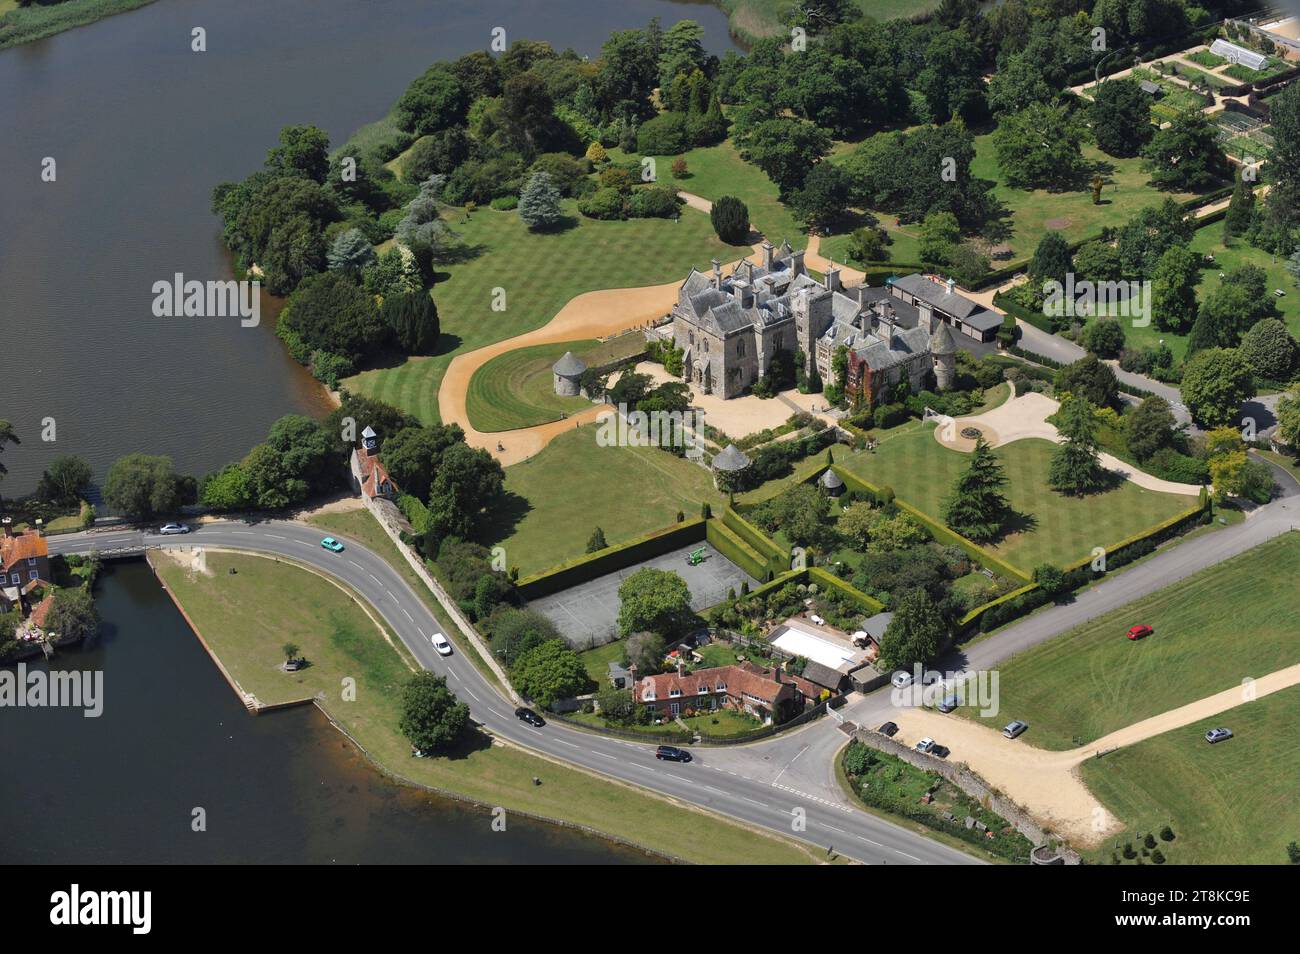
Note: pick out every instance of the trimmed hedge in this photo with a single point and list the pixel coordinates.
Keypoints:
(618, 557)
(941, 533)
(776, 558)
(1016, 310)
(731, 546)
(829, 581)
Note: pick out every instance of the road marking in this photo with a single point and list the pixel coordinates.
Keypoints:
(833, 828)
(569, 744)
(355, 563)
(471, 692)
(814, 798)
(373, 577)
(754, 801)
(275, 536)
(408, 615)
(240, 533)
(678, 777)
(788, 764)
(906, 855)
(603, 755)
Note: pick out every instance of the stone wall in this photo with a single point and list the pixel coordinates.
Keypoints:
(970, 783)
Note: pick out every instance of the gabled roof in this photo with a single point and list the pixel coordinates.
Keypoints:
(823, 676)
(41, 610)
(883, 353)
(24, 545)
(936, 293)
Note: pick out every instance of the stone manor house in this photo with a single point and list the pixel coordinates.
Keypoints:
(731, 328)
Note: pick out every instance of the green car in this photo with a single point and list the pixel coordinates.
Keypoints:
(329, 543)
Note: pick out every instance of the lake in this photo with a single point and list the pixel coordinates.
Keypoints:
(141, 129)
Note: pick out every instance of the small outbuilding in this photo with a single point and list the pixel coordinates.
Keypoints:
(568, 373)
(732, 460)
(831, 483)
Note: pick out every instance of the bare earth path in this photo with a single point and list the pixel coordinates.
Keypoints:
(1048, 784)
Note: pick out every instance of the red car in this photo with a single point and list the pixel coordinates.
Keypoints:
(1137, 632)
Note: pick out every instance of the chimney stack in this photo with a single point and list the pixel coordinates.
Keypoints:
(833, 277)
(9, 526)
(717, 274)
(681, 666)
(797, 259)
(40, 523)
(767, 255)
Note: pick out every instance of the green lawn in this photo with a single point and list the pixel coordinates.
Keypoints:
(246, 617)
(715, 171)
(517, 389)
(1212, 630)
(922, 472)
(597, 661)
(1126, 190)
(1232, 803)
(539, 273)
(1209, 240)
(556, 499)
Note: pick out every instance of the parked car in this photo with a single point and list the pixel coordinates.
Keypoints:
(1015, 728)
(901, 679)
(1137, 632)
(672, 754)
(524, 714)
(948, 702)
(329, 543)
(939, 751)
(925, 745)
(1218, 735)
(440, 643)
(169, 528)
(889, 729)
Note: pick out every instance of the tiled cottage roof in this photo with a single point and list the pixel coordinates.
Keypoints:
(739, 681)
(22, 546)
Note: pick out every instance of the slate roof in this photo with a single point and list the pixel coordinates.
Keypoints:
(937, 294)
(879, 354)
(733, 458)
(569, 366)
(823, 676)
(831, 480)
(942, 342)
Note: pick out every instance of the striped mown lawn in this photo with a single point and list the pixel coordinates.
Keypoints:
(1229, 804)
(1057, 529)
(1212, 630)
(555, 500)
(538, 274)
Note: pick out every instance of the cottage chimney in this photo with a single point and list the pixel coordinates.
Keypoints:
(717, 274)
(40, 524)
(776, 670)
(681, 667)
(768, 248)
(631, 678)
(9, 526)
(951, 285)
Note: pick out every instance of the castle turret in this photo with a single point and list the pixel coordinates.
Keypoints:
(943, 349)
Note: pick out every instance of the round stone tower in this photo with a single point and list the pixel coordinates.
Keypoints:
(943, 348)
(568, 375)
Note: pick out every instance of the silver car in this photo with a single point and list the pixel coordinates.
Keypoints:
(1218, 735)
(1015, 728)
(169, 528)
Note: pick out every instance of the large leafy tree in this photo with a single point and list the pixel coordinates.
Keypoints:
(64, 480)
(1018, 84)
(1186, 156)
(1052, 260)
(1040, 147)
(549, 672)
(413, 455)
(1076, 469)
(1288, 418)
(1270, 350)
(73, 613)
(915, 633)
(1120, 115)
(1149, 234)
(786, 149)
(1173, 289)
(1215, 383)
(653, 600)
(977, 508)
(952, 80)
(1091, 379)
(434, 101)
(1149, 427)
(468, 480)
(824, 195)
(303, 151)
(142, 486)
(331, 313)
(432, 717)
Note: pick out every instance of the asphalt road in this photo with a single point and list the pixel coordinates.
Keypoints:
(753, 796)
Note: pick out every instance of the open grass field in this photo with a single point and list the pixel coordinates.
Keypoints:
(1209, 240)
(1058, 529)
(517, 389)
(1212, 630)
(556, 499)
(715, 171)
(539, 273)
(245, 618)
(1230, 803)
(1126, 191)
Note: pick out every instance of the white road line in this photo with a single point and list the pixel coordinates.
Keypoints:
(355, 563)
(603, 755)
(471, 692)
(906, 855)
(569, 744)
(754, 801)
(373, 577)
(408, 615)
